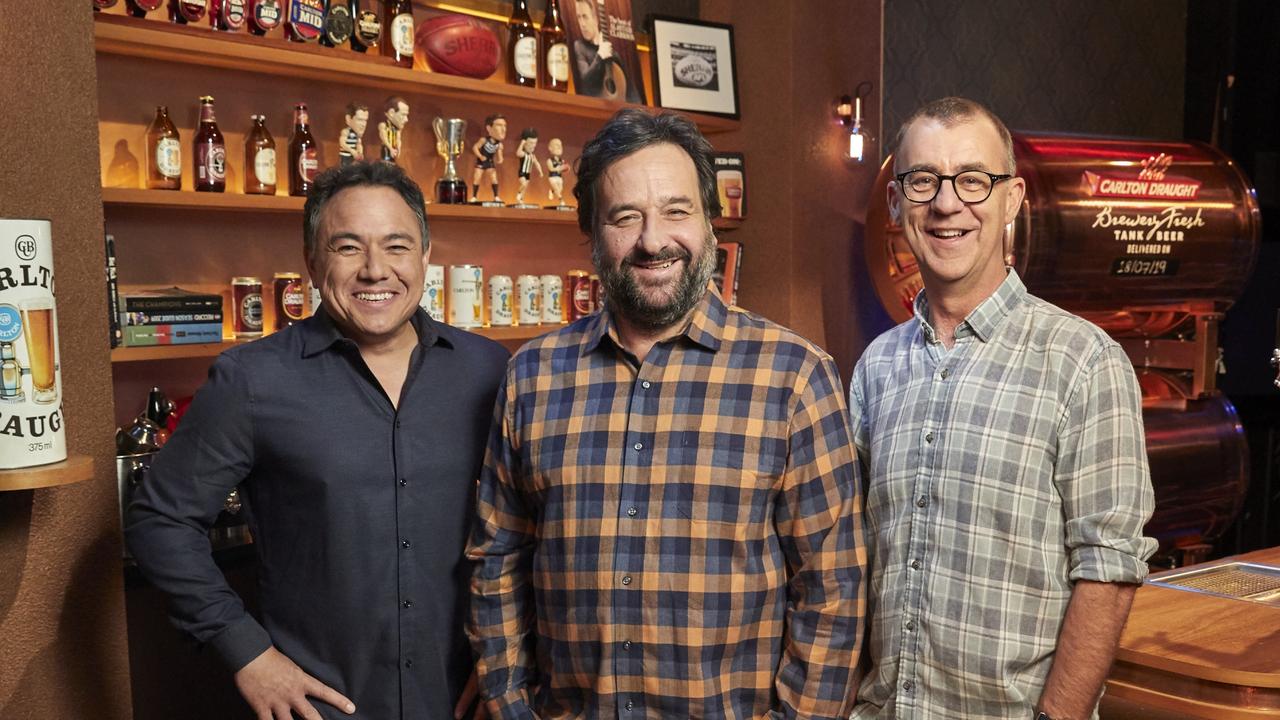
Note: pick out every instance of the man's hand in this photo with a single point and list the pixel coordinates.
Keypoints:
(605, 50)
(469, 696)
(275, 687)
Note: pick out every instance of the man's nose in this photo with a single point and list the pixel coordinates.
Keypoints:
(947, 201)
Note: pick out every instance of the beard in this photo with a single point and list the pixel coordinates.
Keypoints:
(625, 296)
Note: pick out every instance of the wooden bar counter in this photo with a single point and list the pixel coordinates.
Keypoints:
(1186, 654)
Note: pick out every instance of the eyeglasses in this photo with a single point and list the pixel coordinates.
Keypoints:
(971, 186)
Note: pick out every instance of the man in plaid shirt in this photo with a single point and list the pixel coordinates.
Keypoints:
(670, 511)
(1007, 470)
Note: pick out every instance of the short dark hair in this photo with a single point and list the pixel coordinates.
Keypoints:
(375, 173)
(951, 111)
(528, 133)
(355, 107)
(493, 119)
(631, 130)
(394, 102)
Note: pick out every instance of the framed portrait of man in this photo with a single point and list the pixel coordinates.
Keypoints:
(603, 50)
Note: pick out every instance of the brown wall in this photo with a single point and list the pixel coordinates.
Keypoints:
(62, 624)
(806, 203)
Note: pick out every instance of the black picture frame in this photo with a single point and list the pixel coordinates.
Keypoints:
(694, 66)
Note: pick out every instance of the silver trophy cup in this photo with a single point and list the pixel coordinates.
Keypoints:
(451, 136)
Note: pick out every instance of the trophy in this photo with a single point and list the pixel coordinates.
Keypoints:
(451, 137)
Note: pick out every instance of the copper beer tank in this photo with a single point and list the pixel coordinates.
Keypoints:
(1148, 239)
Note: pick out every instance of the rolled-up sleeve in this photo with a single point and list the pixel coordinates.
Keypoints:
(1102, 473)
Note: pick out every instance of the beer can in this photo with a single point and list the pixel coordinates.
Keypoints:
(500, 290)
(313, 294)
(246, 307)
(466, 296)
(529, 296)
(433, 292)
(578, 291)
(286, 289)
(30, 368)
(552, 298)
(597, 294)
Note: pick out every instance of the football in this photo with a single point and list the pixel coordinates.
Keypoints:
(459, 45)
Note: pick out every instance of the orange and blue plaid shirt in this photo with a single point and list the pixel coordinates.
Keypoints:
(674, 538)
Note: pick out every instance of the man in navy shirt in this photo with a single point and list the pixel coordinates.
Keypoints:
(357, 436)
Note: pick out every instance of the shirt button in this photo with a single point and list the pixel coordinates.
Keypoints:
(638, 446)
(630, 705)
(928, 437)
(631, 511)
(915, 564)
(404, 481)
(907, 685)
(626, 644)
(397, 424)
(626, 579)
(911, 625)
(404, 543)
(408, 663)
(945, 373)
(922, 501)
(407, 604)
(645, 384)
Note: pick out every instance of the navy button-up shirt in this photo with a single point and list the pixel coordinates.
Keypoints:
(359, 510)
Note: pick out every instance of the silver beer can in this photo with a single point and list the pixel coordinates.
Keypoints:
(552, 298)
(433, 292)
(500, 290)
(466, 296)
(529, 295)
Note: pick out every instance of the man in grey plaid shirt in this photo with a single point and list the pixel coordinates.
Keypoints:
(1002, 441)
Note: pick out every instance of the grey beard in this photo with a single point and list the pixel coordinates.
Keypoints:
(625, 298)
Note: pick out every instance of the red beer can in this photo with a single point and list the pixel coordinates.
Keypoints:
(287, 291)
(577, 287)
(597, 294)
(246, 306)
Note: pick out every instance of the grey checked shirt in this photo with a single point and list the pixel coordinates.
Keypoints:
(999, 472)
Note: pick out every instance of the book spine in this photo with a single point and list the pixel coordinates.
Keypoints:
(171, 304)
(131, 319)
(173, 334)
(113, 294)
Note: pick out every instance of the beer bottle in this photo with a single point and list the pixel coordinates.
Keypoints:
(185, 11)
(210, 151)
(264, 16)
(522, 47)
(164, 153)
(259, 159)
(368, 25)
(555, 49)
(140, 8)
(303, 161)
(338, 24)
(397, 43)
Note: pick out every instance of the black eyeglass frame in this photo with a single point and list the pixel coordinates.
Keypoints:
(941, 178)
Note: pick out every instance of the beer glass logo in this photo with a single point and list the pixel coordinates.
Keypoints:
(37, 326)
(10, 370)
(25, 246)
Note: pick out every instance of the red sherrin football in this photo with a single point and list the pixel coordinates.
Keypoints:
(459, 45)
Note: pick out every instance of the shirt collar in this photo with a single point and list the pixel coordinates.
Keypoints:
(984, 319)
(705, 326)
(319, 332)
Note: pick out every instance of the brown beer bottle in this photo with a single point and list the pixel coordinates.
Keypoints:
(303, 161)
(397, 39)
(210, 151)
(259, 159)
(164, 153)
(368, 25)
(522, 47)
(555, 50)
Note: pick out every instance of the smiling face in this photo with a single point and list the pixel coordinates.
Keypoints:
(653, 246)
(959, 247)
(369, 265)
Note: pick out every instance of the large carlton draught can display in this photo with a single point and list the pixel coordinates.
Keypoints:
(31, 428)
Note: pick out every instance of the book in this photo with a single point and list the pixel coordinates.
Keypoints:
(165, 317)
(174, 299)
(191, 333)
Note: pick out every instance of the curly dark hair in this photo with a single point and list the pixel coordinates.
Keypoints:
(375, 173)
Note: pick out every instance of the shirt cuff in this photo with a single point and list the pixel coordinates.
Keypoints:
(1105, 564)
(514, 705)
(241, 642)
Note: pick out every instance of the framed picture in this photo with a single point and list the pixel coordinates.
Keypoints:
(693, 66)
(728, 262)
(602, 50)
(731, 184)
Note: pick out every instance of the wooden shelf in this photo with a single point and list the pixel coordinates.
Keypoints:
(191, 200)
(199, 350)
(133, 37)
(72, 470)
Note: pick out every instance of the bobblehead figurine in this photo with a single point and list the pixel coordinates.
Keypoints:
(528, 163)
(488, 152)
(351, 138)
(396, 111)
(556, 168)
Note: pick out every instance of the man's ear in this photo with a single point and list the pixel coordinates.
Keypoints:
(895, 202)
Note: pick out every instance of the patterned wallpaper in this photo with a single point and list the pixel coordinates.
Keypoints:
(1112, 67)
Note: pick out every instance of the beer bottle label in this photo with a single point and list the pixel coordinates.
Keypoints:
(306, 18)
(169, 157)
(292, 300)
(234, 13)
(307, 164)
(218, 162)
(558, 62)
(266, 14)
(368, 28)
(402, 34)
(526, 57)
(264, 166)
(251, 311)
(338, 24)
